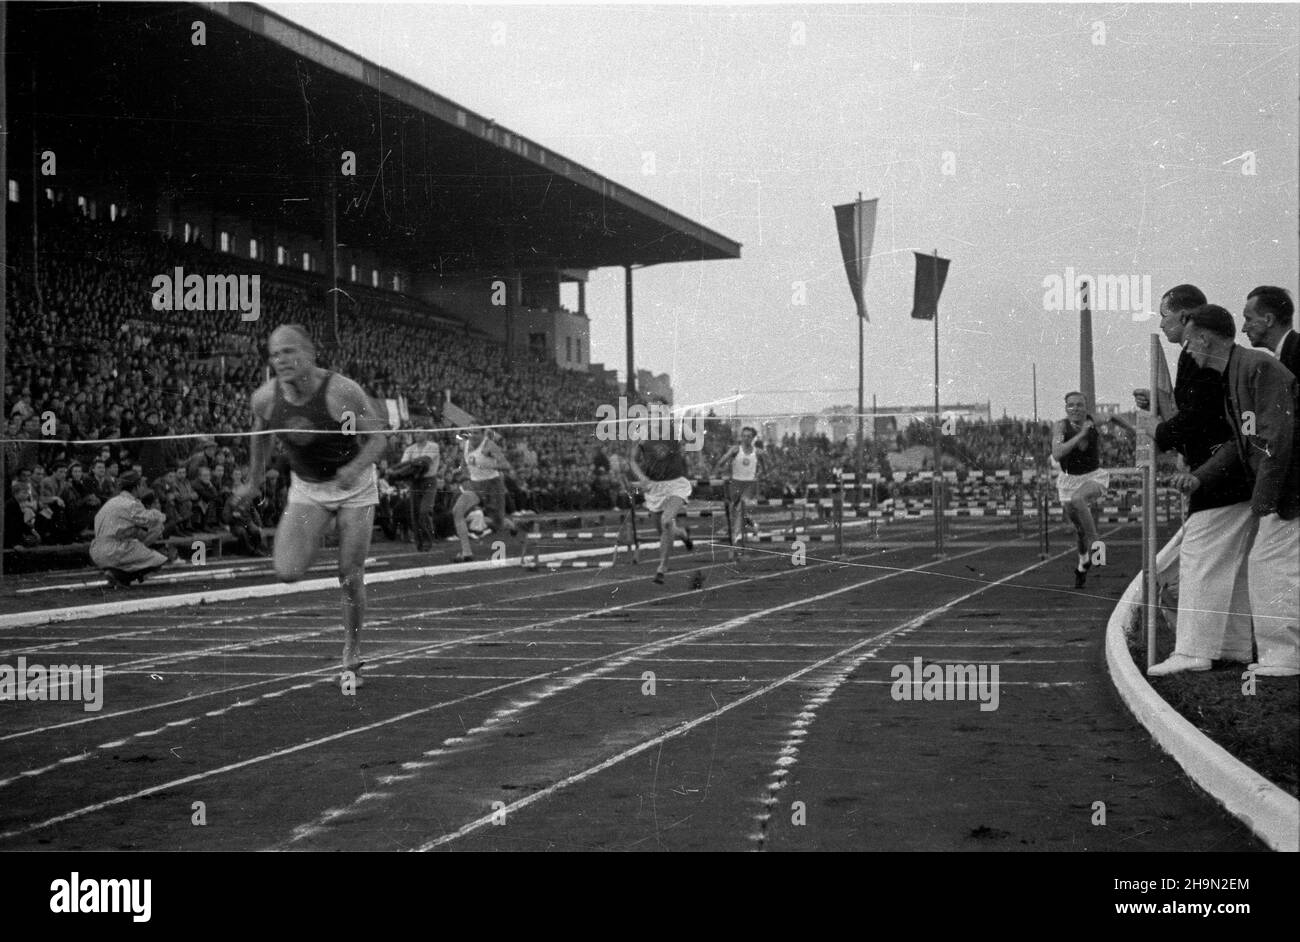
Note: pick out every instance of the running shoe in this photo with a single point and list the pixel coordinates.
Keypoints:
(1080, 578)
(686, 539)
(659, 578)
(459, 558)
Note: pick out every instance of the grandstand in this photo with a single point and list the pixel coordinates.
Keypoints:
(452, 238)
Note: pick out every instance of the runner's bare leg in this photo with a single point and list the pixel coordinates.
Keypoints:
(298, 536)
(668, 529)
(1081, 503)
(466, 502)
(355, 527)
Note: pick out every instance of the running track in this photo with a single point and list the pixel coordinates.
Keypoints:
(519, 697)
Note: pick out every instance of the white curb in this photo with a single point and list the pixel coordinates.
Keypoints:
(1272, 814)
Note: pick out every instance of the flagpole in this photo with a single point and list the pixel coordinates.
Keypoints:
(862, 293)
(938, 461)
(874, 426)
(1149, 544)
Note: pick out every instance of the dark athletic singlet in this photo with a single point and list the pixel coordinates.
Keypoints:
(1081, 462)
(313, 457)
(662, 461)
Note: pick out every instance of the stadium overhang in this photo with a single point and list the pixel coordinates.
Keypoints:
(256, 118)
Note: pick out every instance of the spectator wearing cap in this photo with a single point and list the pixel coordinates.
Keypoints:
(124, 528)
(1260, 405)
(1213, 605)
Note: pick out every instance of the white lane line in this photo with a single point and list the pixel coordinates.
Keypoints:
(640, 654)
(789, 752)
(329, 677)
(692, 724)
(322, 674)
(894, 571)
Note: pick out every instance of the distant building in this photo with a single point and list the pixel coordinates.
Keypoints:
(659, 385)
(603, 375)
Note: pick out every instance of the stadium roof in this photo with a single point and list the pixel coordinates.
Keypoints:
(254, 122)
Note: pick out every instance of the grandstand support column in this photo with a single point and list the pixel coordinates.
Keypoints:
(627, 308)
(37, 189)
(334, 265)
(512, 311)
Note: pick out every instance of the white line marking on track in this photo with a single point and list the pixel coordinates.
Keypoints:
(817, 700)
(789, 751)
(894, 571)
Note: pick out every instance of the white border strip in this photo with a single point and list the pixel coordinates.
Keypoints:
(46, 616)
(1272, 814)
(127, 606)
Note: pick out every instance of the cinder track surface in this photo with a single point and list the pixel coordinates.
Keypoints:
(525, 698)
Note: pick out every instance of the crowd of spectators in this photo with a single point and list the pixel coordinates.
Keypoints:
(91, 360)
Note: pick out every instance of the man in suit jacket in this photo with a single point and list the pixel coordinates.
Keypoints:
(1260, 405)
(1267, 322)
(1213, 600)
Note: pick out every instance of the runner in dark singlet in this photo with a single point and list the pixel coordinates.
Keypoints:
(1076, 445)
(328, 426)
(660, 467)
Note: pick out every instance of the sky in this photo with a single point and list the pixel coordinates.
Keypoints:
(1145, 141)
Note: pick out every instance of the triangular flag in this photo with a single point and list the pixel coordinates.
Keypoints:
(856, 223)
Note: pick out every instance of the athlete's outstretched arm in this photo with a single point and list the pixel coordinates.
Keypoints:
(636, 468)
(1116, 420)
(259, 448)
(1061, 446)
(729, 456)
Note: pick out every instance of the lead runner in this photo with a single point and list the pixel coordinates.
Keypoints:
(332, 462)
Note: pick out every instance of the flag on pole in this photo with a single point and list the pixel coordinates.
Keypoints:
(929, 285)
(1162, 397)
(1162, 401)
(856, 223)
